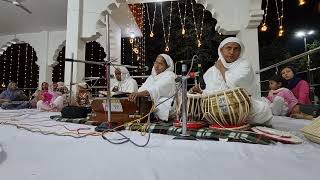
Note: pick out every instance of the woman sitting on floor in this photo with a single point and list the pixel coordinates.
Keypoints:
(283, 102)
(12, 94)
(300, 88)
(160, 86)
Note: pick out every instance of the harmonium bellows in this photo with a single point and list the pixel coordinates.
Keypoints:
(122, 110)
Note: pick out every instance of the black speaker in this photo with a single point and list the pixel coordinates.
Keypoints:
(75, 112)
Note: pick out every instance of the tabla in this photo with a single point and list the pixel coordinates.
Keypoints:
(227, 109)
(122, 110)
(194, 119)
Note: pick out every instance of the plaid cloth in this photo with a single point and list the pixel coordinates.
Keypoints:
(76, 120)
(205, 133)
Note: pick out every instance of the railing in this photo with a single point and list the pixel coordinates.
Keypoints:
(309, 72)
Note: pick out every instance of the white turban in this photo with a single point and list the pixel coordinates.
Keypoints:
(223, 43)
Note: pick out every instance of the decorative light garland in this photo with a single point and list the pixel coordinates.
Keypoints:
(4, 69)
(264, 26)
(151, 26)
(183, 21)
(302, 2)
(199, 36)
(10, 65)
(18, 63)
(25, 71)
(281, 31)
(166, 37)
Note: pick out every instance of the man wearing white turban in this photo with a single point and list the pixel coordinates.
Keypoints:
(124, 82)
(160, 86)
(231, 71)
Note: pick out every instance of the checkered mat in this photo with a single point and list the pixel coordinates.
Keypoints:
(205, 133)
(169, 129)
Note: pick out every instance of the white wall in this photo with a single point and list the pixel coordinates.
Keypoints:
(46, 45)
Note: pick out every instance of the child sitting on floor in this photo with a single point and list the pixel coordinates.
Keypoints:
(47, 102)
(283, 102)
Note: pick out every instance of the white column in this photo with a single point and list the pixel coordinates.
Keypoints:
(75, 47)
(45, 72)
(249, 37)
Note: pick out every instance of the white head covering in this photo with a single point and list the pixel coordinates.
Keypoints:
(83, 85)
(169, 62)
(223, 43)
(125, 75)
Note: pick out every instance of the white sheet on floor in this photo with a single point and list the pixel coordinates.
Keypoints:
(33, 156)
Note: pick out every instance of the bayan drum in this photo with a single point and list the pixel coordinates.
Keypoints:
(194, 119)
(227, 109)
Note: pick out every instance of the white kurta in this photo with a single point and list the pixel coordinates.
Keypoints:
(161, 87)
(238, 74)
(127, 83)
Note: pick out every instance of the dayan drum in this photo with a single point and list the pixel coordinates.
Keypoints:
(122, 110)
(194, 119)
(227, 109)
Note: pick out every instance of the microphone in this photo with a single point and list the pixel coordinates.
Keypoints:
(195, 58)
(190, 75)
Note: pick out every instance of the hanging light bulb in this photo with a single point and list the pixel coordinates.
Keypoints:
(264, 27)
(136, 50)
(131, 40)
(281, 31)
(151, 34)
(3, 85)
(199, 43)
(302, 2)
(183, 32)
(167, 48)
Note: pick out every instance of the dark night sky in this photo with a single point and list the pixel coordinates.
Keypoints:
(295, 18)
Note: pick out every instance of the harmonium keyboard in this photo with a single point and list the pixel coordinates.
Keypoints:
(122, 110)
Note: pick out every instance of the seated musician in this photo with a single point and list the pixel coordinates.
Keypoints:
(160, 86)
(38, 94)
(83, 95)
(12, 94)
(231, 70)
(124, 82)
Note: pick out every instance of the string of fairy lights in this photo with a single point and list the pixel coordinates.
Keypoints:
(279, 6)
(183, 20)
(18, 64)
(165, 35)
(138, 43)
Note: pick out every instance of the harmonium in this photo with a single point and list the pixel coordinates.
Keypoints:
(122, 110)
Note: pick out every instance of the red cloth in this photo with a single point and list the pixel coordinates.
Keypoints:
(47, 97)
(302, 92)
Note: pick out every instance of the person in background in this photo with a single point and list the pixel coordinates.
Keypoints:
(282, 101)
(83, 95)
(12, 97)
(124, 82)
(300, 88)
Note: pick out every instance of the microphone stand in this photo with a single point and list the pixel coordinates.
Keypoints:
(107, 75)
(71, 79)
(184, 111)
